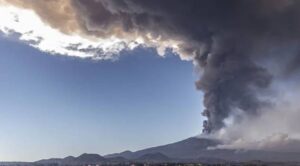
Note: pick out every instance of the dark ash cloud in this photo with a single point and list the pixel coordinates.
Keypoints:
(226, 38)
(229, 40)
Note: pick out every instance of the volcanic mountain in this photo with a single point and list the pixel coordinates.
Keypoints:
(196, 149)
(189, 150)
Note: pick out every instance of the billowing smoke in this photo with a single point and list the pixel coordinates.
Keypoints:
(231, 42)
(226, 39)
(275, 129)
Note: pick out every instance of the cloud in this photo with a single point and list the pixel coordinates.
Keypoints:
(30, 28)
(241, 47)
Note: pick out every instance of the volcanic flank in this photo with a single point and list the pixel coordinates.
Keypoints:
(191, 150)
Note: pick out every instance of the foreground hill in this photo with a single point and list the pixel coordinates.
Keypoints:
(82, 160)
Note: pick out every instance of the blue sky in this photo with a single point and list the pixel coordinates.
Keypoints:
(55, 106)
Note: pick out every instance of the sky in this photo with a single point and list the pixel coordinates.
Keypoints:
(55, 106)
(103, 76)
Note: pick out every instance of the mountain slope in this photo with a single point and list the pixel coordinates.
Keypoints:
(195, 149)
(153, 157)
(188, 148)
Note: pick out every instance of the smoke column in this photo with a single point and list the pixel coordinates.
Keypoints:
(228, 40)
(223, 37)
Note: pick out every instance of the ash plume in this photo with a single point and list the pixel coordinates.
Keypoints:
(223, 37)
(230, 41)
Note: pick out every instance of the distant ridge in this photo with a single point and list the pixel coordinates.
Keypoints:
(185, 151)
(82, 159)
(127, 154)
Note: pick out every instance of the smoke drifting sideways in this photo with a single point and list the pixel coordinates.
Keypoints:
(275, 129)
(241, 47)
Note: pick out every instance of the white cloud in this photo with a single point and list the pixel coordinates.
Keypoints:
(31, 29)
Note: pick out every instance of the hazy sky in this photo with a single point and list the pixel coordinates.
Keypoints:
(103, 76)
(55, 106)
